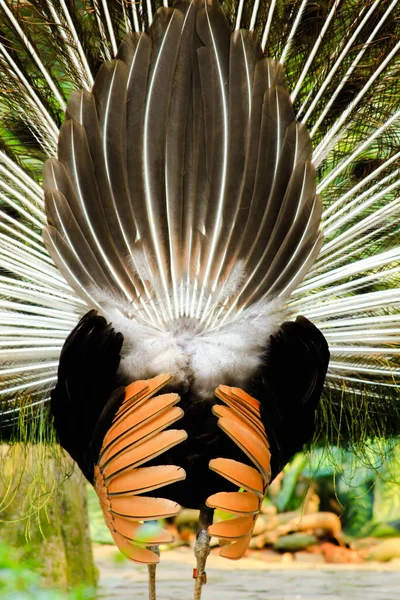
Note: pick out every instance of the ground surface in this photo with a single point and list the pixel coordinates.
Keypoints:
(248, 579)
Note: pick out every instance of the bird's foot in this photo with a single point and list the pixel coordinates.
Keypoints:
(152, 573)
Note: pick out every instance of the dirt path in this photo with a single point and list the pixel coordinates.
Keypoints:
(248, 579)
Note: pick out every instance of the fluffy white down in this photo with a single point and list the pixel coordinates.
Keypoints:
(194, 357)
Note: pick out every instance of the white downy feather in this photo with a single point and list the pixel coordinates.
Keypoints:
(197, 357)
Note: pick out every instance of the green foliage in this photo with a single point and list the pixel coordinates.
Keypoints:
(99, 531)
(295, 542)
(46, 527)
(286, 498)
(347, 419)
(363, 489)
(19, 581)
(357, 503)
(387, 492)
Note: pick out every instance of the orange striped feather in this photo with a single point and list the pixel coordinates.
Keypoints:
(142, 533)
(250, 444)
(140, 391)
(145, 479)
(244, 411)
(232, 528)
(144, 452)
(143, 508)
(133, 552)
(138, 415)
(240, 474)
(237, 503)
(237, 549)
(136, 436)
(240, 419)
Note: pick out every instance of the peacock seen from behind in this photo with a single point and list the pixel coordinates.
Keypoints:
(220, 203)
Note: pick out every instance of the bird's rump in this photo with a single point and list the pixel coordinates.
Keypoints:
(126, 442)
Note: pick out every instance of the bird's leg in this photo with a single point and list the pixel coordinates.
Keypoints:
(202, 549)
(152, 574)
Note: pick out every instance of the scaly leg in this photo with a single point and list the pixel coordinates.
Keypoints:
(202, 550)
(152, 574)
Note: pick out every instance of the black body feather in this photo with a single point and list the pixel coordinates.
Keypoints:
(86, 397)
(288, 385)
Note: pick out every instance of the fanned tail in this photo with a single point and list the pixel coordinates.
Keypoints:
(214, 220)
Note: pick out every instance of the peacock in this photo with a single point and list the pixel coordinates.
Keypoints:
(199, 246)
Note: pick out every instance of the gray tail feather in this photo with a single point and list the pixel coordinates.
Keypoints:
(185, 161)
